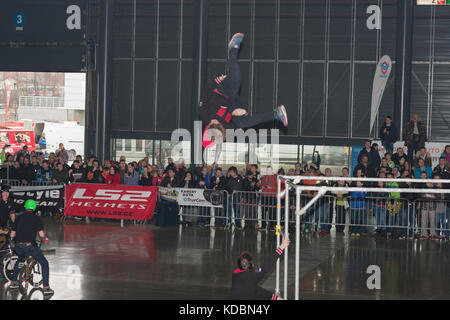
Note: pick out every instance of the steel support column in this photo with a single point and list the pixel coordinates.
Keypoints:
(405, 20)
(104, 100)
(199, 65)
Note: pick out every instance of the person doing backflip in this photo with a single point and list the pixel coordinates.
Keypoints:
(246, 279)
(220, 106)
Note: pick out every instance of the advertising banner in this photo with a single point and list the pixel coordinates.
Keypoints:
(113, 202)
(200, 198)
(381, 77)
(48, 198)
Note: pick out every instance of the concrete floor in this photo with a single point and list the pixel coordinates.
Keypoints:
(101, 260)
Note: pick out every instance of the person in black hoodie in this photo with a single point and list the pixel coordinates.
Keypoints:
(234, 184)
(388, 134)
(220, 103)
(77, 174)
(26, 172)
(145, 179)
(245, 279)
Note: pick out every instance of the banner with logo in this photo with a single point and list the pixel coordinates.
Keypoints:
(48, 198)
(200, 198)
(435, 149)
(113, 202)
(382, 73)
(170, 194)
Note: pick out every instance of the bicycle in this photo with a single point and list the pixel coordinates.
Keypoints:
(31, 271)
(9, 260)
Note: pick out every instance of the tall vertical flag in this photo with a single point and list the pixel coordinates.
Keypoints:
(382, 73)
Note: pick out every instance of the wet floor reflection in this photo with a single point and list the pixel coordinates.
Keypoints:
(410, 269)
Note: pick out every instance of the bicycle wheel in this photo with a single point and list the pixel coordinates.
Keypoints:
(31, 274)
(8, 267)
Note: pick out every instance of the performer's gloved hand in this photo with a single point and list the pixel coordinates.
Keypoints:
(45, 240)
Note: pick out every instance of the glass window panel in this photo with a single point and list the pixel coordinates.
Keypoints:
(145, 29)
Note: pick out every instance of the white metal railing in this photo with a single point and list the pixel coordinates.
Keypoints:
(292, 182)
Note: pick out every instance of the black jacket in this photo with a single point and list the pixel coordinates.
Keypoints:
(174, 184)
(77, 175)
(143, 181)
(244, 283)
(368, 171)
(27, 173)
(216, 105)
(372, 155)
(391, 134)
(396, 158)
(221, 185)
(234, 184)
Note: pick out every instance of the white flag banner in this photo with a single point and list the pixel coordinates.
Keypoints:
(382, 73)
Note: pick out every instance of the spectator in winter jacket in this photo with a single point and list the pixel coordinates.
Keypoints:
(357, 210)
(388, 134)
(398, 155)
(376, 156)
(131, 177)
(26, 172)
(77, 173)
(60, 175)
(365, 167)
(113, 178)
(189, 181)
(442, 169)
(218, 180)
(35, 164)
(372, 154)
(44, 174)
(96, 173)
(234, 184)
(145, 178)
(122, 170)
(422, 154)
(171, 180)
(446, 154)
(158, 176)
(341, 206)
(423, 168)
(415, 136)
(61, 152)
(428, 206)
(22, 153)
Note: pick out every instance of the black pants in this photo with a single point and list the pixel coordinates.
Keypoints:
(340, 218)
(232, 86)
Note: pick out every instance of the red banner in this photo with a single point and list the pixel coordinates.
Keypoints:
(113, 202)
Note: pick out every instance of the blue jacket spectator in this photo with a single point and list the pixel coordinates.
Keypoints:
(358, 200)
(131, 177)
(423, 168)
(44, 174)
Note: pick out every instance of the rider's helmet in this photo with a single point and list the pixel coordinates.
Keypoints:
(30, 205)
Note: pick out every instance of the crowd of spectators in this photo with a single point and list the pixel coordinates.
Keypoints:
(27, 167)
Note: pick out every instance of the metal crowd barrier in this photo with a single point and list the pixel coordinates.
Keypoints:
(11, 182)
(368, 207)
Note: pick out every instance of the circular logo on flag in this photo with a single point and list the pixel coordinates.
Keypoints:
(384, 67)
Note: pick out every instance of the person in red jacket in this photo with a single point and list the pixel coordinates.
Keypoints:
(112, 177)
(158, 176)
(268, 187)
